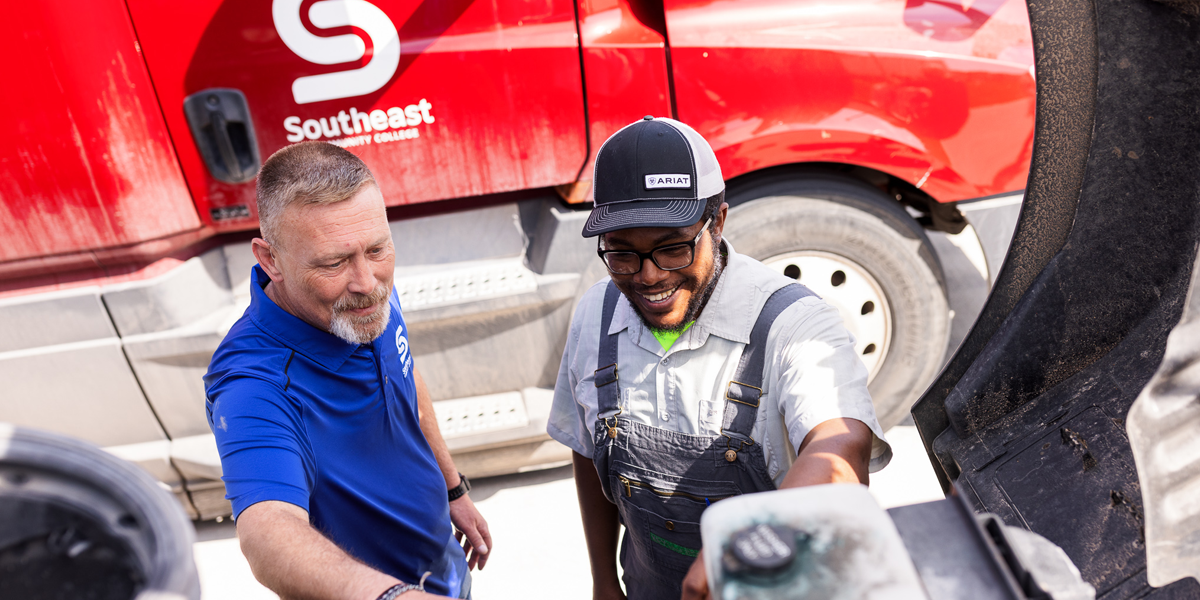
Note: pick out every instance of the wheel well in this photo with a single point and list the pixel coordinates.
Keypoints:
(932, 215)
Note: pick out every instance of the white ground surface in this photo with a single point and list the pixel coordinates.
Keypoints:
(536, 531)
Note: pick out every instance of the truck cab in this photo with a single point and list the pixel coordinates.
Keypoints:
(846, 131)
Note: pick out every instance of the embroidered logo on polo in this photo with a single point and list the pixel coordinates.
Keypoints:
(402, 349)
(668, 180)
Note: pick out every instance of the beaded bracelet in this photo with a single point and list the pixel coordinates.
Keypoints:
(394, 591)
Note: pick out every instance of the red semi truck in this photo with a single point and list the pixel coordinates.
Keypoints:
(845, 129)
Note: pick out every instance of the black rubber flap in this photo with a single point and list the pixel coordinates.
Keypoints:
(1029, 416)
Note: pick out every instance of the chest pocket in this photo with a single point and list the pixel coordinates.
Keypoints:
(662, 513)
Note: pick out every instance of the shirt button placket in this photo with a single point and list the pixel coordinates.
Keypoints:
(663, 375)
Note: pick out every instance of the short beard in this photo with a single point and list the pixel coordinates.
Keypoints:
(361, 330)
(700, 300)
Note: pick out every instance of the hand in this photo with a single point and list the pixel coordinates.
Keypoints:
(695, 583)
(471, 530)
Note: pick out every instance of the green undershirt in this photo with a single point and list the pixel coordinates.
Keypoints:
(666, 339)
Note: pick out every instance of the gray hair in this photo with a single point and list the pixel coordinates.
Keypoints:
(306, 173)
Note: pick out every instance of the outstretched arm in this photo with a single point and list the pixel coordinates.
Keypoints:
(295, 561)
(836, 451)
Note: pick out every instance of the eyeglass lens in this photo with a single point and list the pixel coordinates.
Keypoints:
(667, 258)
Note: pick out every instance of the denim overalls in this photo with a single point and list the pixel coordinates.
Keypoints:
(662, 480)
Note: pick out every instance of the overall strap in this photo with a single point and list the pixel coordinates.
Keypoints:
(742, 396)
(607, 390)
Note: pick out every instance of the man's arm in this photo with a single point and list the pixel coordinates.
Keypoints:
(295, 561)
(463, 514)
(600, 529)
(835, 451)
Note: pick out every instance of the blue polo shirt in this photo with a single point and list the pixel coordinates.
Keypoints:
(303, 417)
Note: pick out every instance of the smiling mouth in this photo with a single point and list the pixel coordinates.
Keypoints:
(660, 297)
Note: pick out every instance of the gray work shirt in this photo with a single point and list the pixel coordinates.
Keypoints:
(812, 373)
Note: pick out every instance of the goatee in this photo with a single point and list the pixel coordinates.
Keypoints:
(698, 301)
(361, 330)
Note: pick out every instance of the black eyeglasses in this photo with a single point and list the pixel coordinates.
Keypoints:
(671, 257)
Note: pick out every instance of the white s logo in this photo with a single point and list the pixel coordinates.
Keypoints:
(402, 348)
(339, 48)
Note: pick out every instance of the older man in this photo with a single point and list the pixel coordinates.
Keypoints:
(341, 484)
(695, 373)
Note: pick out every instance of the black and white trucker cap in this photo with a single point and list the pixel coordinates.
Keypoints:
(652, 173)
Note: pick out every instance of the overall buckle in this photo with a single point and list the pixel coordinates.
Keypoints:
(743, 393)
(605, 375)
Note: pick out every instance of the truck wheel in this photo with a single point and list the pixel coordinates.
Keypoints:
(862, 253)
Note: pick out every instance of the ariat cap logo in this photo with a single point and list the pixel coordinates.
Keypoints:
(654, 182)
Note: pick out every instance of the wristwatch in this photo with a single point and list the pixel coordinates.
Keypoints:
(461, 489)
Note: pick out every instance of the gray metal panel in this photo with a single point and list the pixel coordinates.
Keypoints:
(239, 259)
(558, 245)
(170, 326)
(994, 220)
(154, 457)
(493, 232)
(53, 318)
(536, 403)
(170, 366)
(516, 343)
(951, 554)
(185, 294)
(548, 289)
(209, 498)
(531, 456)
(85, 390)
(197, 457)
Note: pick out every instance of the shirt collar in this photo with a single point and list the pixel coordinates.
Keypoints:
(730, 312)
(322, 347)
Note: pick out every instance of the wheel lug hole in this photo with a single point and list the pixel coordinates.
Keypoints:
(870, 349)
(792, 271)
(868, 307)
(838, 278)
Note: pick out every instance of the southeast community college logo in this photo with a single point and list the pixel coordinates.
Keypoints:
(348, 127)
(338, 49)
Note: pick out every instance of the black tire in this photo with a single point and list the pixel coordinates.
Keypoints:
(864, 227)
(78, 522)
